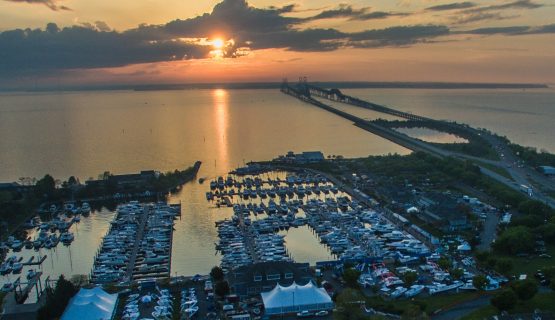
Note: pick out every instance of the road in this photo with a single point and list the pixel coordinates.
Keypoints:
(463, 309)
(488, 232)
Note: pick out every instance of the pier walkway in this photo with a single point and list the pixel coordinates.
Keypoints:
(138, 240)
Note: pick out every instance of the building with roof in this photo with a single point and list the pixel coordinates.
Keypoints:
(259, 277)
(13, 187)
(547, 170)
(445, 210)
(302, 158)
(91, 304)
(295, 298)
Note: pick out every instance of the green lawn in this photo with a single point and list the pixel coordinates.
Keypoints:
(482, 313)
(543, 301)
(432, 303)
(500, 171)
(529, 266)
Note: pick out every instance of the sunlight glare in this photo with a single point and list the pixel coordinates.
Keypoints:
(218, 43)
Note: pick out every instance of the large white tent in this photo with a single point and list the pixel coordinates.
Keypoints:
(91, 304)
(296, 298)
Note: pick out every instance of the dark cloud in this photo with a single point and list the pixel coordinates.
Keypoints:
(343, 11)
(469, 12)
(96, 45)
(481, 16)
(52, 4)
(348, 12)
(513, 30)
(285, 9)
(79, 47)
(519, 4)
(397, 36)
(380, 15)
(452, 6)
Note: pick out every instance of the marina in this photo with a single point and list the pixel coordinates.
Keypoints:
(381, 245)
(138, 244)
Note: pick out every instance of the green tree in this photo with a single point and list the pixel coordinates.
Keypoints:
(350, 276)
(45, 186)
(547, 231)
(504, 300)
(482, 256)
(504, 265)
(444, 263)
(525, 289)
(57, 300)
(480, 282)
(410, 278)
(534, 207)
(414, 312)
(348, 305)
(515, 240)
(5, 196)
(457, 273)
(72, 181)
(491, 262)
(222, 288)
(217, 274)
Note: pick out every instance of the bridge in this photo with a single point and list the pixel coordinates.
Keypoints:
(304, 91)
(337, 95)
(386, 133)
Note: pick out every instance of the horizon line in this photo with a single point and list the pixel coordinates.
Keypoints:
(274, 85)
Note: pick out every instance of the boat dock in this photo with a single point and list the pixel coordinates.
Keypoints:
(138, 244)
(142, 223)
(33, 262)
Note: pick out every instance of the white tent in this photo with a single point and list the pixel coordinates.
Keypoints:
(91, 304)
(296, 298)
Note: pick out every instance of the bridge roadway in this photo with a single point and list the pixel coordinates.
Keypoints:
(336, 95)
(389, 134)
(415, 144)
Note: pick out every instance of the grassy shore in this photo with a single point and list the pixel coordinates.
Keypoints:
(542, 301)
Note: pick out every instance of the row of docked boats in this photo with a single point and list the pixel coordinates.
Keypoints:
(138, 243)
(49, 235)
(233, 245)
(257, 182)
(358, 235)
(154, 254)
(112, 259)
(70, 207)
(281, 191)
(11, 265)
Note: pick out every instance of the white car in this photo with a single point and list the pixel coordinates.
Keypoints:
(304, 314)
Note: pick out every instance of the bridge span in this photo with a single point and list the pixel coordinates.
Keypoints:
(336, 95)
(303, 92)
(386, 133)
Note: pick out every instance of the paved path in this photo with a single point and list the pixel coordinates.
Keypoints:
(463, 309)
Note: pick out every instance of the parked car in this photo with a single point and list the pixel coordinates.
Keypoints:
(304, 314)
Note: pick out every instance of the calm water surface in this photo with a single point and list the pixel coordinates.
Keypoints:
(87, 133)
(430, 135)
(524, 116)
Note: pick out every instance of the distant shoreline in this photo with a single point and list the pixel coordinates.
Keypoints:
(276, 85)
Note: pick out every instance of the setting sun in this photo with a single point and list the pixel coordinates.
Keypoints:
(218, 43)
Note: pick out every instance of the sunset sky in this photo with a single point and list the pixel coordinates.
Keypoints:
(82, 42)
